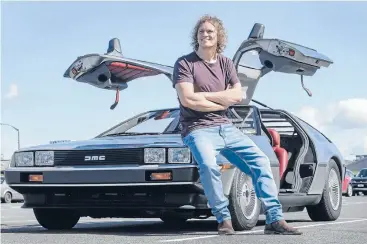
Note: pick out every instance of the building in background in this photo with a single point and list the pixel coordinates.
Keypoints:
(360, 157)
(59, 141)
(4, 165)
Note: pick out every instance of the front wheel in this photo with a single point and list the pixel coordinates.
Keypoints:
(349, 191)
(329, 208)
(56, 219)
(243, 202)
(7, 197)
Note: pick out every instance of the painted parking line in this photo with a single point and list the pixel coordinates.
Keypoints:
(354, 203)
(17, 221)
(11, 206)
(351, 218)
(259, 231)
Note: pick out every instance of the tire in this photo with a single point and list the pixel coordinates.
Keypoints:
(56, 219)
(244, 204)
(329, 208)
(8, 197)
(349, 191)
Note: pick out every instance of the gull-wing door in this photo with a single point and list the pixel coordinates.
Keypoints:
(113, 71)
(258, 56)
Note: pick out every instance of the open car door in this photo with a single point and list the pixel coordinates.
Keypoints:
(258, 56)
(113, 71)
(254, 58)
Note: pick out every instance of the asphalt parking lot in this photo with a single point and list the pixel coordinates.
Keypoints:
(19, 226)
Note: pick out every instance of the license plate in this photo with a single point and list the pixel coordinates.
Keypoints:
(360, 185)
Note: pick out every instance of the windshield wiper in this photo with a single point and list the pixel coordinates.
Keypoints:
(133, 133)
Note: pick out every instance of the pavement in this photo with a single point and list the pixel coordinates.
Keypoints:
(20, 226)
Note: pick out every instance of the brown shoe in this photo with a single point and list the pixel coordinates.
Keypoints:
(225, 228)
(280, 228)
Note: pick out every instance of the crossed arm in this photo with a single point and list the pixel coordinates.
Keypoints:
(208, 101)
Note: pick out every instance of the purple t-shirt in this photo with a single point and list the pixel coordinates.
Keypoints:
(206, 77)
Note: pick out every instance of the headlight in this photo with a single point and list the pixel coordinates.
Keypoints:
(179, 155)
(24, 159)
(154, 155)
(44, 158)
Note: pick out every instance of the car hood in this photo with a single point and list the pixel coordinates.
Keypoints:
(114, 142)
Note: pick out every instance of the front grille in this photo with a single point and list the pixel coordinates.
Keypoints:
(361, 181)
(111, 156)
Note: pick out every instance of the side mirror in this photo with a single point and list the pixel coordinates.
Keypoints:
(257, 32)
(114, 47)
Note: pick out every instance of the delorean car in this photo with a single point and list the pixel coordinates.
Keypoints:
(140, 168)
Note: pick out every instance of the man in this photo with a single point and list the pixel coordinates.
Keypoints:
(207, 84)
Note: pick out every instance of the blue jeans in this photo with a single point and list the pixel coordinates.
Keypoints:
(206, 143)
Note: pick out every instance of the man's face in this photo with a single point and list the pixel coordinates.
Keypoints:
(207, 35)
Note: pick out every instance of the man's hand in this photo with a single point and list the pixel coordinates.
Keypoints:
(226, 98)
(196, 101)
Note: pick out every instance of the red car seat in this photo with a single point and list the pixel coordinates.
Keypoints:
(281, 153)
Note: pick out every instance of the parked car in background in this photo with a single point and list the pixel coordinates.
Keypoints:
(347, 187)
(359, 183)
(8, 194)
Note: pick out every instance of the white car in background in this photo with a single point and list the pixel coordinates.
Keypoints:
(8, 195)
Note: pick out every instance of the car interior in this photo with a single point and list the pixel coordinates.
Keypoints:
(287, 144)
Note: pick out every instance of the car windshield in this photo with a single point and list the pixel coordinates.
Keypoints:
(167, 122)
(152, 122)
(244, 118)
(362, 173)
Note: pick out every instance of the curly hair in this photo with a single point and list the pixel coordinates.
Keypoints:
(221, 32)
